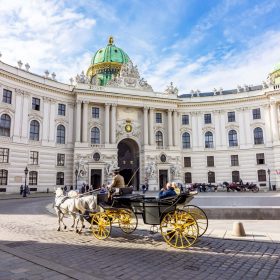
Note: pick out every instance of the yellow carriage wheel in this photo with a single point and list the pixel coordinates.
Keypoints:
(200, 217)
(127, 220)
(179, 229)
(100, 225)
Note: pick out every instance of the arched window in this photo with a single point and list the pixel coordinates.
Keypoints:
(235, 176)
(186, 140)
(33, 178)
(34, 130)
(261, 175)
(232, 138)
(60, 134)
(60, 178)
(159, 139)
(5, 125)
(3, 177)
(211, 177)
(209, 140)
(188, 177)
(95, 135)
(258, 135)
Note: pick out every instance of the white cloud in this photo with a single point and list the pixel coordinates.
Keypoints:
(45, 33)
(248, 67)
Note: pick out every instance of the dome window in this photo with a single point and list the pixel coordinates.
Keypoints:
(116, 50)
(100, 51)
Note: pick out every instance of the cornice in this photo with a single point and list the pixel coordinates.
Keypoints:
(33, 84)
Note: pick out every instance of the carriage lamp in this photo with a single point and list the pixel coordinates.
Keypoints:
(269, 182)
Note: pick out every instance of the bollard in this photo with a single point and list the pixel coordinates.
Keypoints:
(238, 229)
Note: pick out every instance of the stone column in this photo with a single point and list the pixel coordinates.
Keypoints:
(151, 126)
(217, 128)
(223, 138)
(175, 128)
(146, 126)
(274, 121)
(70, 117)
(52, 125)
(85, 122)
(107, 123)
(18, 112)
(46, 113)
(169, 123)
(25, 111)
(268, 124)
(200, 133)
(194, 134)
(78, 120)
(113, 123)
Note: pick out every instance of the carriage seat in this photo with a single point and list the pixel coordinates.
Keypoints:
(125, 191)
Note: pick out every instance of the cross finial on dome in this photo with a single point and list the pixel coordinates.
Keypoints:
(111, 40)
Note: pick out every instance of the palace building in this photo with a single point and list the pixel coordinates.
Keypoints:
(67, 134)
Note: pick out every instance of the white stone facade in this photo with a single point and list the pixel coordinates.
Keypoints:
(137, 107)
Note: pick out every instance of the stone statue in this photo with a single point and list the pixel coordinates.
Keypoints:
(171, 89)
(111, 166)
(81, 168)
(175, 171)
(151, 170)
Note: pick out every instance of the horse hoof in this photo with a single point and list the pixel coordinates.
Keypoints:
(65, 227)
(84, 226)
(77, 231)
(58, 229)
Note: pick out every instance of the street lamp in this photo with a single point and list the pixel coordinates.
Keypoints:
(269, 182)
(24, 190)
(76, 174)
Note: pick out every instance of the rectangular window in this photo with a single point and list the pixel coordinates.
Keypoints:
(188, 177)
(33, 178)
(60, 160)
(256, 113)
(7, 96)
(36, 104)
(210, 161)
(234, 160)
(158, 118)
(231, 116)
(261, 175)
(34, 158)
(3, 177)
(185, 119)
(187, 162)
(61, 109)
(260, 158)
(4, 155)
(60, 178)
(95, 112)
(207, 118)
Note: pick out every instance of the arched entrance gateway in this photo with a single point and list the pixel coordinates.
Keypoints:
(128, 161)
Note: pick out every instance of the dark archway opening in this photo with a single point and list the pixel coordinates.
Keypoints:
(128, 161)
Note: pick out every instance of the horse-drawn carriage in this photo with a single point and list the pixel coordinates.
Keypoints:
(180, 224)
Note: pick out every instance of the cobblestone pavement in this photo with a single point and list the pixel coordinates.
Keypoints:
(31, 248)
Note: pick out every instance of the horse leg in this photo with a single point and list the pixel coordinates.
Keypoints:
(82, 224)
(65, 227)
(58, 229)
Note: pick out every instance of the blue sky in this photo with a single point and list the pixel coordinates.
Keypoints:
(196, 44)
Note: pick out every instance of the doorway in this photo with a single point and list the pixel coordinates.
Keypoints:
(95, 178)
(163, 178)
(128, 161)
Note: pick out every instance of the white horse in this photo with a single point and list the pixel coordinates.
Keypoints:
(72, 206)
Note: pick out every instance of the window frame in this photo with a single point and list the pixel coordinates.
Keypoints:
(235, 176)
(256, 113)
(158, 117)
(60, 134)
(210, 161)
(36, 103)
(34, 135)
(260, 157)
(61, 109)
(211, 176)
(231, 116)
(60, 180)
(258, 140)
(186, 140)
(5, 125)
(208, 144)
(34, 157)
(187, 162)
(95, 135)
(60, 159)
(95, 112)
(185, 119)
(4, 155)
(159, 138)
(232, 138)
(7, 99)
(207, 118)
(33, 178)
(261, 175)
(4, 177)
(234, 160)
(188, 178)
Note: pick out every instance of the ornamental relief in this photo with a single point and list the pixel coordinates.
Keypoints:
(134, 130)
(232, 126)
(185, 129)
(208, 128)
(94, 123)
(257, 123)
(61, 120)
(36, 116)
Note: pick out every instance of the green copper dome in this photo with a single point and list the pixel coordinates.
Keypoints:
(106, 63)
